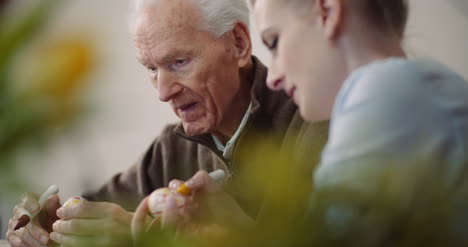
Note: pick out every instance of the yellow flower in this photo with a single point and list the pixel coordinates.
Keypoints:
(63, 67)
(55, 77)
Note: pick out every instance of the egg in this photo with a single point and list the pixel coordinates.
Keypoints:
(74, 202)
(158, 199)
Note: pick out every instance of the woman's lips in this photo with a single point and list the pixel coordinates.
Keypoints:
(291, 92)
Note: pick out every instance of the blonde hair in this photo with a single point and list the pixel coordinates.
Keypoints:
(390, 15)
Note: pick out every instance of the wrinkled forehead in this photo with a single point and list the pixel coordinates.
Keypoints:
(166, 17)
(162, 35)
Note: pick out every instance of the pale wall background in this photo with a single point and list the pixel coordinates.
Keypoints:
(127, 114)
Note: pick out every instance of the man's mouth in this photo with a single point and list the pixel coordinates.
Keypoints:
(188, 107)
(189, 112)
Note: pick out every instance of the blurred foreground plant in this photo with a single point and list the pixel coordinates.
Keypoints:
(47, 93)
(403, 205)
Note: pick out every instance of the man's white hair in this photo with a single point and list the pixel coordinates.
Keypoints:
(219, 16)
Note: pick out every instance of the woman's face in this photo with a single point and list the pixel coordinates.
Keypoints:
(303, 63)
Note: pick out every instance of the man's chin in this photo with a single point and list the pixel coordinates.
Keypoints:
(195, 128)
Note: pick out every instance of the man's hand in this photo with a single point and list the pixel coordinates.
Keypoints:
(142, 222)
(173, 213)
(208, 212)
(93, 224)
(214, 205)
(36, 233)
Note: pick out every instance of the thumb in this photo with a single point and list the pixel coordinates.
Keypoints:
(203, 182)
(48, 215)
(50, 209)
(51, 206)
(138, 224)
(170, 216)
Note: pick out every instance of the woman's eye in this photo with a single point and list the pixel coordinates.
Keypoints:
(273, 44)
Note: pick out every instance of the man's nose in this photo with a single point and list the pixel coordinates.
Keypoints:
(168, 86)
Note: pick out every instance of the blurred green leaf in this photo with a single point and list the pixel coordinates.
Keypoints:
(51, 96)
(15, 34)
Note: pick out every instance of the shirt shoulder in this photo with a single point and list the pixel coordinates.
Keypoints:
(393, 112)
(385, 106)
(395, 82)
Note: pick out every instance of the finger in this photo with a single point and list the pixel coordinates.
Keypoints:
(202, 181)
(79, 227)
(15, 241)
(89, 227)
(154, 225)
(90, 210)
(25, 236)
(175, 184)
(30, 202)
(51, 206)
(48, 214)
(169, 216)
(70, 240)
(38, 233)
(12, 224)
(18, 211)
(138, 224)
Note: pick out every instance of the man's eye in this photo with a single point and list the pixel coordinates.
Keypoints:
(180, 62)
(153, 69)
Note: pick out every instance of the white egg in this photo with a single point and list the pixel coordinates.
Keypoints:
(158, 199)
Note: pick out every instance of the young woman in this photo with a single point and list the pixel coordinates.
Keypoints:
(342, 60)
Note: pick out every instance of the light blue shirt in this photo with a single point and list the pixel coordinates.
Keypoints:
(229, 148)
(401, 112)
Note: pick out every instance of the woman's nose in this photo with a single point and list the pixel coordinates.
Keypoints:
(276, 83)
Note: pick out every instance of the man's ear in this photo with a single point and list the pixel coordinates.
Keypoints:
(243, 44)
(330, 13)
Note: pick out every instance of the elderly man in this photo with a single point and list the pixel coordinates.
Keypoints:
(198, 55)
